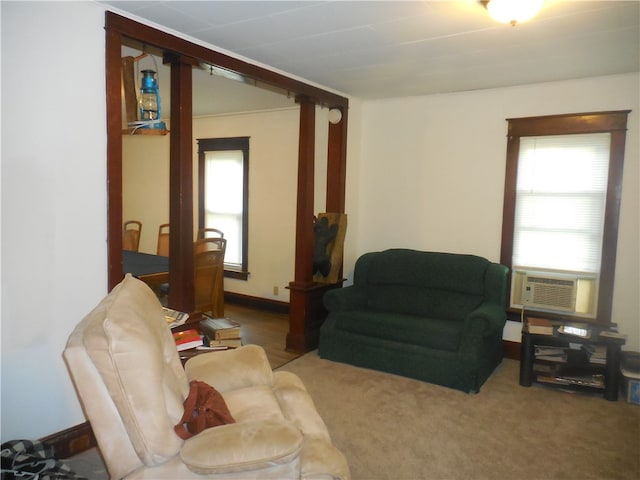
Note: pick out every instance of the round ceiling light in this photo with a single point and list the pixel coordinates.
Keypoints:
(513, 11)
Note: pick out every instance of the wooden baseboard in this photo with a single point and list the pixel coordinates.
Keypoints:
(257, 302)
(72, 441)
(511, 350)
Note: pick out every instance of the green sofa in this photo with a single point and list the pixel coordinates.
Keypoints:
(436, 317)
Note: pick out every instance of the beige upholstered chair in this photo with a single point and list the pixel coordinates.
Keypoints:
(163, 240)
(131, 235)
(130, 381)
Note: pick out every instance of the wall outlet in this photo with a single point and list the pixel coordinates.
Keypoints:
(275, 290)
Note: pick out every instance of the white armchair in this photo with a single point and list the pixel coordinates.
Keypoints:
(130, 381)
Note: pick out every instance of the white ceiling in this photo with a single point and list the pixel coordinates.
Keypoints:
(382, 49)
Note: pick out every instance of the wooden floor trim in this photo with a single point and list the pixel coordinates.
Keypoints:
(72, 441)
(257, 302)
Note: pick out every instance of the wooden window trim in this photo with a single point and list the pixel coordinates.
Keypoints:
(613, 122)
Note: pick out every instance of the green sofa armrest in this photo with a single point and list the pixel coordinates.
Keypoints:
(486, 321)
(495, 284)
(342, 299)
(493, 316)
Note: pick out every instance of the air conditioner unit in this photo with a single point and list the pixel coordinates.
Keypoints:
(550, 292)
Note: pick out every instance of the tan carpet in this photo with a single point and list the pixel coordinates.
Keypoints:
(391, 427)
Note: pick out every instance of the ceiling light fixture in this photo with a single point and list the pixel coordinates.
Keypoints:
(512, 11)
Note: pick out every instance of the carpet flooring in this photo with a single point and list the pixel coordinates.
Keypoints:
(391, 427)
(395, 428)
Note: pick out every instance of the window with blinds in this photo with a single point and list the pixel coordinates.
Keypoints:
(561, 193)
(560, 202)
(223, 205)
(561, 210)
(223, 197)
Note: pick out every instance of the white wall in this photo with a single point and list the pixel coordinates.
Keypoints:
(431, 174)
(53, 203)
(424, 172)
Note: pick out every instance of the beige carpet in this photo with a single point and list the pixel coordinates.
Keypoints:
(391, 427)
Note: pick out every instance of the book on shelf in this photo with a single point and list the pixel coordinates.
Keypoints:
(596, 380)
(539, 326)
(552, 354)
(220, 328)
(577, 330)
(187, 339)
(546, 368)
(612, 334)
(174, 318)
(596, 353)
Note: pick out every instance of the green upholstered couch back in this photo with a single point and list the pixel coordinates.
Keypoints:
(429, 284)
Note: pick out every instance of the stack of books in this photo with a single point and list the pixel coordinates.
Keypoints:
(551, 354)
(539, 326)
(221, 332)
(596, 353)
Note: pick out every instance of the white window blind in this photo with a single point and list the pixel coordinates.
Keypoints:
(560, 202)
(223, 199)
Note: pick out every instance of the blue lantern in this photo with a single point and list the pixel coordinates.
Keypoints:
(150, 101)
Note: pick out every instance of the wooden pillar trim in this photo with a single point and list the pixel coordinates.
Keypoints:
(181, 293)
(299, 300)
(304, 214)
(337, 164)
(113, 48)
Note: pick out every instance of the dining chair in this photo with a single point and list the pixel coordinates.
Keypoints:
(131, 235)
(208, 231)
(210, 243)
(163, 240)
(208, 266)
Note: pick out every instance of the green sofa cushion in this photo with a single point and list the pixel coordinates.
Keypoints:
(439, 285)
(440, 334)
(442, 271)
(421, 301)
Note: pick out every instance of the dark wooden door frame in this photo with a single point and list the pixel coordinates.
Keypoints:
(180, 53)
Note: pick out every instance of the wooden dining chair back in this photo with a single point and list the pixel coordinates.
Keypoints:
(131, 235)
(210, 243)
(163, 240)
(208, 232)
(208, 282)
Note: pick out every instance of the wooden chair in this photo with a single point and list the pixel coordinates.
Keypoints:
(205, 244)
(163, 240)
(131, 235)
(208, 282)
(208, 231)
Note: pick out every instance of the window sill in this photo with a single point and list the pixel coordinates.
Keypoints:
(237, 274)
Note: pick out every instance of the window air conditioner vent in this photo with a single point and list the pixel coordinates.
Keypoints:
(549, 292)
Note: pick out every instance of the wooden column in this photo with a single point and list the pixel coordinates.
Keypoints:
(181, 293)
(337, 164)
(303, 280)
(306, 311)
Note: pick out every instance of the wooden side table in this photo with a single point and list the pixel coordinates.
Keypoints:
(577, 360)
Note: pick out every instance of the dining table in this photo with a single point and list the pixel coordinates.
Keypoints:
(151, 269)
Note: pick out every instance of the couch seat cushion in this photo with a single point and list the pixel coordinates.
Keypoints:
(439, 334)
(242, 447)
